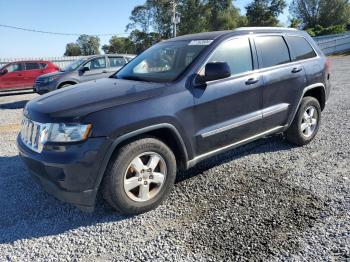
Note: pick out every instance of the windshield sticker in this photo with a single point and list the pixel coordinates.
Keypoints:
(200, 42)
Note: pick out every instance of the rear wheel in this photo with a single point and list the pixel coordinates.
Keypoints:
(140, 176)
(306, 122)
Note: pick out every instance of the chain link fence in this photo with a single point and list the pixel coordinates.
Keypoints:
(330, 44)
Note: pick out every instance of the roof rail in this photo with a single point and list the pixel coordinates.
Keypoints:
(261, 28)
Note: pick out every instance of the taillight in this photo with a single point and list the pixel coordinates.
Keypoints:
(328, 68)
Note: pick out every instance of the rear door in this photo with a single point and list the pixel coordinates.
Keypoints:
(302, 51)
(14, 78)
(115, 63)
(283, 79)
(229, 110)
(32, 71)
(97, 69)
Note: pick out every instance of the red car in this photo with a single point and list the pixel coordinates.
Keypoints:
(21, 75)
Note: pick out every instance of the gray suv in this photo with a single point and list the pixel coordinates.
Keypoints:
(178, 103)
(82, 70)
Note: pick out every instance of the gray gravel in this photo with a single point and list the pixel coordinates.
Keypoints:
(265, 201)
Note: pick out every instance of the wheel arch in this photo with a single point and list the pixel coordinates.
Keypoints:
(317, 91)
(167, 133)
(72, 82)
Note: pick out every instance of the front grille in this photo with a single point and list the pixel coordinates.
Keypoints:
(39, 82)
(30, 134)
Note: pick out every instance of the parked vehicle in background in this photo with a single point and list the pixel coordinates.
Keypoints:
(181, 101)
(85, 69)
(22, 74)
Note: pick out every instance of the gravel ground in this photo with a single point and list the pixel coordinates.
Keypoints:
(265, 201)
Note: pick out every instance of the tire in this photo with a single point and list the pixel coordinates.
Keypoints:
(305, 124)
(64, 85)
(125, 170)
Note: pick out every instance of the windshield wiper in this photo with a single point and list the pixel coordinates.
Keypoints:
(134, 78)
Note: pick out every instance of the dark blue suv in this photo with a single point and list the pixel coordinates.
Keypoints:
(179, 102)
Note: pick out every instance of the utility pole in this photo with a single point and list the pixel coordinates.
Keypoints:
(175, 18)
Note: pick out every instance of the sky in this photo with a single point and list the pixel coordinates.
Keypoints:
(65, 16)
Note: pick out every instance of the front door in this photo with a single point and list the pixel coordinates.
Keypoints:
(97, 69)
(14, 78)
(229, 110)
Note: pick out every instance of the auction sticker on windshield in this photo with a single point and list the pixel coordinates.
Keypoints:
(200, 42)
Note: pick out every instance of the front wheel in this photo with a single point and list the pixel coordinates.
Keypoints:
(140, 176)
(64, 85)
(306, 122)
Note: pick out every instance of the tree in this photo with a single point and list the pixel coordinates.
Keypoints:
(192, 14)
(153, 14)
(89, 45)
(325, 13)
(264, 12)
(222, 15)
(295, 23)
(119, 45)
(72, 49)
(143, 40)
(196, 16)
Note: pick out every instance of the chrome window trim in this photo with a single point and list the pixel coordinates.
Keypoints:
(202, 67)
(291, 62)
(256, 68)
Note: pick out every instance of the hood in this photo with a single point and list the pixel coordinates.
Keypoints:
(77, 101)
(52, 74)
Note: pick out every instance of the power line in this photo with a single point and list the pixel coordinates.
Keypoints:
(55, 33)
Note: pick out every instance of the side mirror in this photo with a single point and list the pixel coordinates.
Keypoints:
(216, 71)
(84, 69)
(3, 72)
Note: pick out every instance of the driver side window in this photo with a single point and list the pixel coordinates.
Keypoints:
(236, 53)
(97, 63)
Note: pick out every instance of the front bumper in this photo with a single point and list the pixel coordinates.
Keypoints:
(68, 172)
(42, 87)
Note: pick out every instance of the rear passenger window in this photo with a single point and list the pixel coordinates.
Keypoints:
(116, 61)
(301, 48)
(32, 66)
(273, 50)
(236, 53)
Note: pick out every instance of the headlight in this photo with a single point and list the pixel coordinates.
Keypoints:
(68, 132)
(51, 78)
(35, 135)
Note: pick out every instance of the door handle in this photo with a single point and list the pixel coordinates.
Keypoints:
(252, 81)
(296, 70)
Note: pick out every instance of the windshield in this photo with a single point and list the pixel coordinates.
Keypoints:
(163, 62)
(3, 66)
(75, 64)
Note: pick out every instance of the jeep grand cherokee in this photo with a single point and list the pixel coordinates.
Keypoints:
(179, 102)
